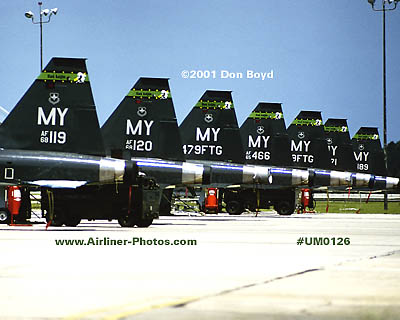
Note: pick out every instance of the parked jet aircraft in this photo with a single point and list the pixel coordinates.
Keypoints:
(52, 140)
(362, 154)
(127, 189)
(267, 142)
(143, 119)
(309, 145)
(314, 149)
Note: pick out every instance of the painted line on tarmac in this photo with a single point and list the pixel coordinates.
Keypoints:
(114, 312)
(109, 313)
(133, 312)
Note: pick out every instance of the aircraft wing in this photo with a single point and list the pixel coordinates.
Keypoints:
(57, 184)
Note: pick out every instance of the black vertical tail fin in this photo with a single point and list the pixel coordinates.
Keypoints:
(210, 131)
(57, 113)
(144, 123)
(308, 145)
(339, 145)
(368, 152)
(264, 136)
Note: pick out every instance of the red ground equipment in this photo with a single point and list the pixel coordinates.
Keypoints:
(13, 200)
(307, 201)
(211, 201)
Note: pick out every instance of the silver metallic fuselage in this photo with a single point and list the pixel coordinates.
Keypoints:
(54, 168)
(227, 174)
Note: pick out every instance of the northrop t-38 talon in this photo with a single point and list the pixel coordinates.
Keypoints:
(313, 147)
(144, 128)
(327, 157)
(52, 140)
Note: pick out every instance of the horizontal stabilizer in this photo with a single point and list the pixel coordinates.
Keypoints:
(59, 184)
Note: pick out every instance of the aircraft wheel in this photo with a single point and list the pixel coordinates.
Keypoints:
(234, 207)
(251, 206)
(126, 221)
(284, 208)
(4, 216)
(73, 221)
(165, 204)
(57, 220)
(144, 223)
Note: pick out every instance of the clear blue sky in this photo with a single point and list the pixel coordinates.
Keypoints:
(325, 55)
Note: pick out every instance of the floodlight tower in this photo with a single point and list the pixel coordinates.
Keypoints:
(392, 4)
(45, 12)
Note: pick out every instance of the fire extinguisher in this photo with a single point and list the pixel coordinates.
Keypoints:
(307, 200)
(13, 199)
(305, 197)
(211, 203)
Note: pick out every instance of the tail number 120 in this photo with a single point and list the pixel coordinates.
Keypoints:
(139, 145)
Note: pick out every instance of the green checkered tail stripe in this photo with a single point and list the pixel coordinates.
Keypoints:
(72, 77)
(359, 136)
(307, 122)
(214, 105)
(336, 129)
(149, 94)
(266, 115)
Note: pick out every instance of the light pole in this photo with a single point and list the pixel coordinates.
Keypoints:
(45, 12)
(392, 4)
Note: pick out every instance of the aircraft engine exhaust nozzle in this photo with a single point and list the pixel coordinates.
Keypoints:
(386, 183)
(256, 174)
(112, 170)
(340, 178)
(392, 183)
(300, 177)
(363, 180)
(192, 173)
